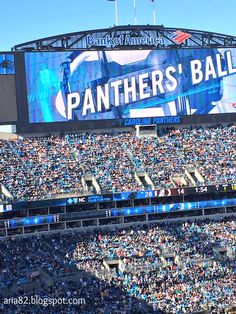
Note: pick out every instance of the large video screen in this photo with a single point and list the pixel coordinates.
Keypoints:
(97, 85)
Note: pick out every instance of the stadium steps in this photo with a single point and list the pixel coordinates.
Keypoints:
(194, 176)
(224, 252)
(140, 175)
(90, 184)
(143, 179)
(5, 193)
(179, 181)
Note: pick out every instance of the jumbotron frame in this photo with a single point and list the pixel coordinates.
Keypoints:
(78, 40)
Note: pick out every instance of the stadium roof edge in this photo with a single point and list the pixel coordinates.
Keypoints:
(77, 40)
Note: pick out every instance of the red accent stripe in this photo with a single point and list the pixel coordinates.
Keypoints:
(181, 38)
(179, 33)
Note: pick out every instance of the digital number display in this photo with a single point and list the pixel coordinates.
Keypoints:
(233, 187)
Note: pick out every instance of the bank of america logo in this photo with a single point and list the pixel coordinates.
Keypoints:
(179, 37)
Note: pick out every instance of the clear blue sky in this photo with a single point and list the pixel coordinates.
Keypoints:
(25, 20)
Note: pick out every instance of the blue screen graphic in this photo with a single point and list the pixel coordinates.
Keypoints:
(168, 208)
(31, 221)
(7, 64)
(96, 85)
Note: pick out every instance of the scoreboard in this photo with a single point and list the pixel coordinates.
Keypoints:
(117, 212)
(221, 188)
(124, 196)
(224, 197)
(76, 90)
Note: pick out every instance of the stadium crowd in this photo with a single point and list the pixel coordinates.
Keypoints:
(167, 267)
(34, 168)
